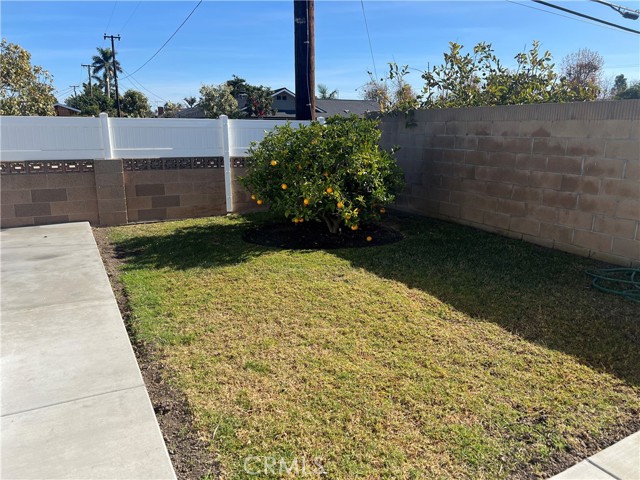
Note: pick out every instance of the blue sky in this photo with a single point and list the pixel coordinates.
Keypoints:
(254, 40)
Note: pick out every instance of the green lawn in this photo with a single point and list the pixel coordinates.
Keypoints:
(451, 354)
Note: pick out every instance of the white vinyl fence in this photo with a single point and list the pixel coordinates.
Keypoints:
(90, 138)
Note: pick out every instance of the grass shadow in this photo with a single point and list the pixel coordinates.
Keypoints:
(198, 244)
(539, 294)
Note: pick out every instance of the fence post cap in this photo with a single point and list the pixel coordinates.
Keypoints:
(103, 114)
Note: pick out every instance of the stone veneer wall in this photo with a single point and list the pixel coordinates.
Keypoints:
(565, 176)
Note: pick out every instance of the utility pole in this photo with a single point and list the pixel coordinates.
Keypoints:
(115, 70)
(74, 89)
(305, 59)
(89, 75)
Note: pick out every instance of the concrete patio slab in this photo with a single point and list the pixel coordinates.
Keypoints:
(73, 402)
(76, 350)
(74, 276)
(61, 235)
(103, 436)
(583, 471)
(621, 460)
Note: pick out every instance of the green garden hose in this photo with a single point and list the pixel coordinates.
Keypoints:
(619, 281)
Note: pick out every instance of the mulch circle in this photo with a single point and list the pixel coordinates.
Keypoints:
(315, 236)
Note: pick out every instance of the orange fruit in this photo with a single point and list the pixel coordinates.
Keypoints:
(284, 186)
(301, 220)
(295, 220)
(273, 163)
(340, 205)
(306, 201)
(347, 216)
(253, 197)
(326, 174)
(329, 190)
(369, 238)
(354, 227)
(382, 210)
(259, 202)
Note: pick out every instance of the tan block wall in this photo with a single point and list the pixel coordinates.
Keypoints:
(174, 194)
(565, 176)
(42, 198)
(242, 202)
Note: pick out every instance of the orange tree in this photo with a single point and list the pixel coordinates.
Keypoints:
(335, 173)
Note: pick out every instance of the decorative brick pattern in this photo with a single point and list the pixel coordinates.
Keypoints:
(42, 167)
(136, 164)
(566, 176)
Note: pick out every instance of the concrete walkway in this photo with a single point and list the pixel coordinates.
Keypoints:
(621, 461)
(73, 402)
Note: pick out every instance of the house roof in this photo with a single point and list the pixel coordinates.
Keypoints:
(324, 107)
(62, 105)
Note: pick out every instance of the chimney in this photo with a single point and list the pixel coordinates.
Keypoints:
(160, 112)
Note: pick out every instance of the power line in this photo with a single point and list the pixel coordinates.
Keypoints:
(366, 25)
(560, 15)
(573, 12)
(168, 40)
(130, 76)
(130, 16)
(628, 13)
(115, 4)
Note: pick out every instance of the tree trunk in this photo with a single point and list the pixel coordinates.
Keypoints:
(332, 222)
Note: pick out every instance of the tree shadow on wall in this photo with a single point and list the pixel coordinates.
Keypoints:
(539, 294)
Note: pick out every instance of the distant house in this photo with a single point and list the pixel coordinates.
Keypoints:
(65, 110)
(284, 102)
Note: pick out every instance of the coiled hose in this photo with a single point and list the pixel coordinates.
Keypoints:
(619, 281)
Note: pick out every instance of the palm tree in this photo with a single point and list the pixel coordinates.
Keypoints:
(325, 94)
(190, 101)
(103, 63)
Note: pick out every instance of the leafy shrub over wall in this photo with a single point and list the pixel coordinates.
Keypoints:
(335, 173)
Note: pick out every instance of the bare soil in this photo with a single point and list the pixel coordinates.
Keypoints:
(189, 453)
(315, 235)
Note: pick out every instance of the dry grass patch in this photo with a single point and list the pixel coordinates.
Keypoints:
(452, 354)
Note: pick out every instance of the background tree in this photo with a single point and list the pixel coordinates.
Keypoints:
(629, 93)
(583, 69)
(190, 101)
(171, 109)
(91, 105)
(392, 93)
(238, 86)
(217, 100)
(619, 85)
(480, 79)
(377, 91)
(135, 104)
(103, 69)
(258, 100)
(325, 94)
(24, 89)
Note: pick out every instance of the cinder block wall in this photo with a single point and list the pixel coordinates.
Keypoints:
(48, 192)
(565, 176)
(169, 189)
